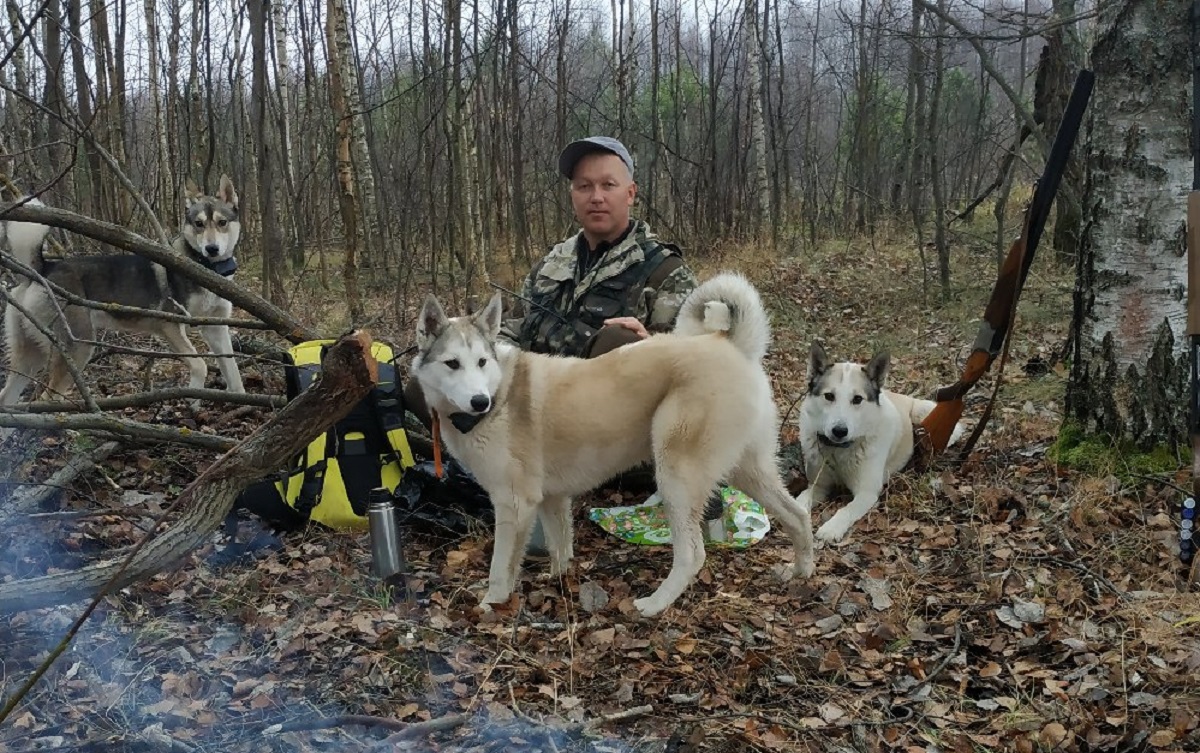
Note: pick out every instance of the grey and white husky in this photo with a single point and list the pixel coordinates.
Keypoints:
(854, 434)
(209, 235)
(537, 429)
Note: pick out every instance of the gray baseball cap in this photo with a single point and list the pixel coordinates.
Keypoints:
(577, 150)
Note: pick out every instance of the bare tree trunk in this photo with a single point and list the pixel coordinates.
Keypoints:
(519, 220)
(83, 107)
(916, 188)
(937, 181)
(52, 96)
(348, 373)
(650, 175)
(782, 153)
(17, 113)
(347, 198)
(1002, 239)
(1064, 56)
(360, 149)
(287, 159)
(272, 241)
(120, 106)
(1129, 371)
(192, 102)
(165, 190)
(758, 128)
(560, 77)
(810, 153)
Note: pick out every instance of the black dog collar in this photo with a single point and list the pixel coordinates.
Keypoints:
(225, 267)
(464, 422)
(830, 443)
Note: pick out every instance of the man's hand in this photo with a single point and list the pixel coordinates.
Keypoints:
(628, 322)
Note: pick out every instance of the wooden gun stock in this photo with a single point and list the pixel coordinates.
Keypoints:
(1002, 306)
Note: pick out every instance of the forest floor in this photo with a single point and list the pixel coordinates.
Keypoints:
(1008, 603)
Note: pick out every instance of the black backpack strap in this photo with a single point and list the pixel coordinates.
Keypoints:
(668, 265)
(313, 483)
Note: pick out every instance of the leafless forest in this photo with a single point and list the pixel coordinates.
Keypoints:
(420, 138)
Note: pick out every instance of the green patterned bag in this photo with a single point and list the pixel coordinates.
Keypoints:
(744, 521)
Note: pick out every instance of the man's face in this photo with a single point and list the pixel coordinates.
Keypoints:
(602, 191)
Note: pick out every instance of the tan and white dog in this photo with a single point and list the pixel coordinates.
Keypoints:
(534, 430)
(854, 434)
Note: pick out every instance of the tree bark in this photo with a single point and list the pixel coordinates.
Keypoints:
(17, 111)
(268, 218)
(937, 181)
(758, 126)
(347, 197)
(1062, 58)
(83, 105)
(52, 89)
(347, 375)
(165, 181)
(1129, 373)
(360, 149)
(287, 157)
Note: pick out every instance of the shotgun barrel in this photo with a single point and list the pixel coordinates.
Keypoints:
(1001, 307)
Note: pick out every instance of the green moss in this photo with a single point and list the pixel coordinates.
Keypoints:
(1099, 454)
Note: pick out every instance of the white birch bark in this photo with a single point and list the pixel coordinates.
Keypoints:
(1129, 371)
(758, 128)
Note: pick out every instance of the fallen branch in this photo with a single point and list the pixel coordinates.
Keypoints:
(33, 495)
(308, 724)
(114, 426)
(420, 729)
(347, 376)
(143, 399)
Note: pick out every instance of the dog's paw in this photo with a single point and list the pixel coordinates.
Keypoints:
(833, 531)
(649, 606)
(804, 568)
(491, 598)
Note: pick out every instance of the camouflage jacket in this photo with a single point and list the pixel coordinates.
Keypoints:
(564, 306)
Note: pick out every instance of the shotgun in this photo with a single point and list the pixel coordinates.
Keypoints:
(1187, 512)
(1001, 308)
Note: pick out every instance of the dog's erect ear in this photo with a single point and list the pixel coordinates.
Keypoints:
(430, 322)
(489, 319)
(191, 192)
(877, 369)
(226, 192)
(818, 364)
(818, 360)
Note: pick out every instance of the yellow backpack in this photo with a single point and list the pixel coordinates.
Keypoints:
(329, 481)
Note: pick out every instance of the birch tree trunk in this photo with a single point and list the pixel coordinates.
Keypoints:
(284, 118)
(1129, 372)
(361, 159)
(347, 200)
(758, 128)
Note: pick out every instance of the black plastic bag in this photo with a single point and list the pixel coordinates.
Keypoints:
(452, 505)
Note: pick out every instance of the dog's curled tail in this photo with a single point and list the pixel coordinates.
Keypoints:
(727, 303)
(24, 239)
